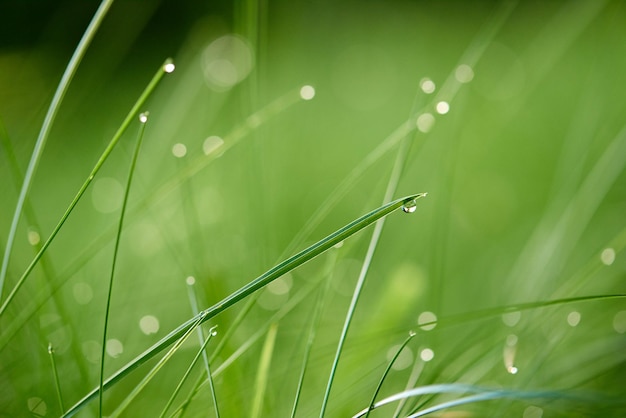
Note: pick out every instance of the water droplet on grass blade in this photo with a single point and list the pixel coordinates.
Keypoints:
(409, 206)
(143, 117)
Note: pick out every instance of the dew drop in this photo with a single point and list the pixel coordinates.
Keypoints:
(409, 206)
(427, 354)
(442, 107)
(427, 85)
(213, 333)
(190, 280)
(169, 67)
(512, 370)
(607, 256)
(179, 150)
(307, 92)
(50, 348)
(427, 320)
(143, 117)
(149, 324)
(33, 237)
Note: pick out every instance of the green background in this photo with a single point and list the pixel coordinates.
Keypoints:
(525, 176)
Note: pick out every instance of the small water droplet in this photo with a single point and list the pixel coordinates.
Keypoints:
(409, 206)
(143, 117)
(169, 67)
(50, 348)
(412, 334)
(214, 333)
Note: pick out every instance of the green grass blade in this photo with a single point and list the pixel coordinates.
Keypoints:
(382, 379)
(263, 371)
(272, 274)
(133, 163)
(57, 382)
(315, 321)
(59, 94)
(261, 331)
(194, 308)
(165, 68)
(200, 352)
(482, 394)
(148, 377)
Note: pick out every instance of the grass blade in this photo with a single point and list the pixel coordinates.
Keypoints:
(272, 274)
(70, 70)
(167, 67)
(263, 371)
(194, 308)
(482, 394)
(200, 352)
(147, 378)
(57, 382)
(382, 379)
(143, 118)
(317, 315)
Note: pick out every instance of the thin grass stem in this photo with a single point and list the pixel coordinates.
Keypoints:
(165, 68)
(57, 382)
(139, 387)
(418, 366)
(317, 315)
(384, 376)
(59, 94)
(263, 371)
(200, 352)
(194, 308)
(258, 283)
(133, 164)
(391, 188)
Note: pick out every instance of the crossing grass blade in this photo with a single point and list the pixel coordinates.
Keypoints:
(258, 283)
(165, 68)
(142, 127)
(66, 79)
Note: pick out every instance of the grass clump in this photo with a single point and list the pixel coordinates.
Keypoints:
(271, 133)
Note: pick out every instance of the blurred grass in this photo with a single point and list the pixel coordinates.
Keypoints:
(525, 176)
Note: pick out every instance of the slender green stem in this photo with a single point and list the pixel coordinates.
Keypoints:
(165, 68)
(139, 387)
(263, 371)
(200, 352)
(57, 382)
(59, 94)
(482, 394)
(258, 283)
(131, 171)
(194, 308)
(382, 379)
(317, 315)
(391, 187)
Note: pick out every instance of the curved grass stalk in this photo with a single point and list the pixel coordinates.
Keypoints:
(317, 315)
(194, 308)
(57, 382)
(200, 352)
(418, 367)
(167, 67)
(143, 119)
(382, 379)
(282, 312)
(258, 283)
(481, 394)
(263, 371)
(378, 229)
(59, 94)
(147, 378)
